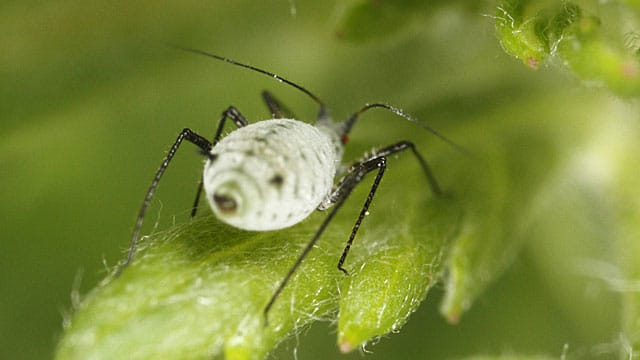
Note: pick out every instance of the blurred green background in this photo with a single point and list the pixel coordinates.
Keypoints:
(90, 99)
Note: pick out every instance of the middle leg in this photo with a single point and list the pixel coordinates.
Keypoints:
(355, 175)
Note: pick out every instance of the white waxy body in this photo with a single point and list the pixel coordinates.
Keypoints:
(271, 174)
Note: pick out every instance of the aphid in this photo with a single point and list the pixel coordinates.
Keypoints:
(274, 173)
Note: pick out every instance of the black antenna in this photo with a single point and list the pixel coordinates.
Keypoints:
(352, 119)
(250, 67)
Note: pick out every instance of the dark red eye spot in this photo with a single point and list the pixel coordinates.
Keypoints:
(344, 139)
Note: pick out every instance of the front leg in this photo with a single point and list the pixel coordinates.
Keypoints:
(203, 144)
(239, 120)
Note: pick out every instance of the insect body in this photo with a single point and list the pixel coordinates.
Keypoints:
(272, 174)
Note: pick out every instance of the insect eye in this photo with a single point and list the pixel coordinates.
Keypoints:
(276, 180)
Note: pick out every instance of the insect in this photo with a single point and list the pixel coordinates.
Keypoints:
(274, 173)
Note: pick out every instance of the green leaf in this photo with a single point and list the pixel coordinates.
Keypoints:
(378, 298)
(521, 31)
(592, 46)
(592, 56)
(200, 288)
(497, 191)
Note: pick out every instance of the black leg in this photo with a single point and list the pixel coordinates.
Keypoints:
(186, 134)
(239, 120)
(355, 175)
(348, 184)
(278, 111)
(404, 145)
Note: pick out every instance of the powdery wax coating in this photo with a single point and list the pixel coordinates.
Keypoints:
(272, 174)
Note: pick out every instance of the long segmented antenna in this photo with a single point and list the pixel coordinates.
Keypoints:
(323, 107)
(352, 119)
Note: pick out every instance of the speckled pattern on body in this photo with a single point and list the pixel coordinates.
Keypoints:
(277, 171)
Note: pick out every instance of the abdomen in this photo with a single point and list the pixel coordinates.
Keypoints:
(278, 171)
